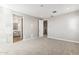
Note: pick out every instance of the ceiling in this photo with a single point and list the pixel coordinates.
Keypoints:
(44, 10)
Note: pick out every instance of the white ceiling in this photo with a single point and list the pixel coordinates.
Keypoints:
(46, 11)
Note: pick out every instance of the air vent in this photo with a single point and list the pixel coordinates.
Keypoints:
(54, 11)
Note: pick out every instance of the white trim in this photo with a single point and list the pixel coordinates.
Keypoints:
(63, 39)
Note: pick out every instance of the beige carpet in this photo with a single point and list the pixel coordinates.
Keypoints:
(42, 46)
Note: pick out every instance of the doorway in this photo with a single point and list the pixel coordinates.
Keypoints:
(17, 28)
(45, 28)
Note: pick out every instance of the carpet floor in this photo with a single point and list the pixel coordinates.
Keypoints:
(41, 46)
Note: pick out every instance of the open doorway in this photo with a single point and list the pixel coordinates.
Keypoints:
(42, 28)
(45, 28)
(17, 28)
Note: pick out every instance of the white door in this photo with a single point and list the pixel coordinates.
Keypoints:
(40, 28)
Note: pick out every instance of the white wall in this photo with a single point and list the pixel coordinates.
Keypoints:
(5, 26)
(65, 27)
(30, 25)
(40, 28)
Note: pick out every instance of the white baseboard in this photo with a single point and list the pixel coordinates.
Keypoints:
(63, 39)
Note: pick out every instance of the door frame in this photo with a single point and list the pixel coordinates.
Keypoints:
(21, 35)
